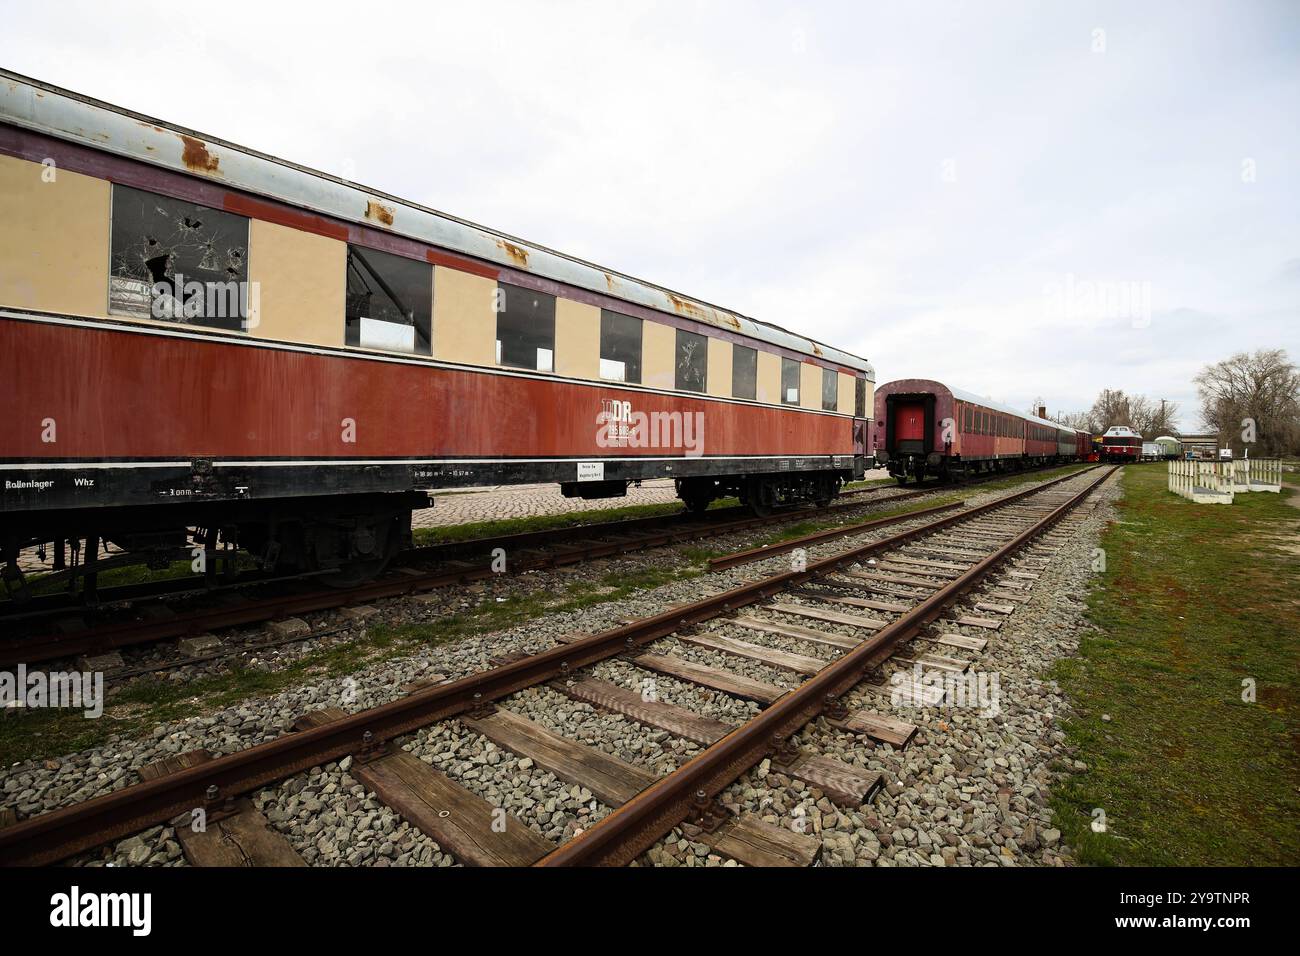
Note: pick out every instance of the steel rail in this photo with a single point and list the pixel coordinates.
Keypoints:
(633, 828)
(737, 558)
(58, 834)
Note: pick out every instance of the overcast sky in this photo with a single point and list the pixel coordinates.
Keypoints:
(1021, 199)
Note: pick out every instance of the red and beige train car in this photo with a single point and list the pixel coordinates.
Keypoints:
(926, 429)
(197, 335)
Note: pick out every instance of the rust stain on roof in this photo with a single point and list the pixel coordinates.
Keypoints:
(610, 282)
(703, 313)
(684, 306)
(196, 155)
(380, 213)
(517, 253)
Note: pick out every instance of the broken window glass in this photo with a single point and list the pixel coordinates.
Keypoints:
(525, 328)
(860, 397)
(177, 261)
(389, 302)
(692, 361)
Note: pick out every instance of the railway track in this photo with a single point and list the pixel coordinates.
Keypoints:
(30, 637)
(54, 627)
(847, 616)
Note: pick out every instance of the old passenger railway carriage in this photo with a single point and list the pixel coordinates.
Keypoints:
(927, 429)
(197, 335)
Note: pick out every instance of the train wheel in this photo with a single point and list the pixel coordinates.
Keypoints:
(761, 496)
(697, 504)
(369, 547)
(824, 492)
(696, 494)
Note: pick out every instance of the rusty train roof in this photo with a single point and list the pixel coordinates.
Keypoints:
(41, 107)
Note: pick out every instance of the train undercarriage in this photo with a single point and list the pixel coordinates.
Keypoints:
(342, 540)
(916, 468)
(762, 493)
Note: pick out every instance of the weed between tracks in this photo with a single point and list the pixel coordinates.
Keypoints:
(1196, 599)
(142, 705)
(120, 577)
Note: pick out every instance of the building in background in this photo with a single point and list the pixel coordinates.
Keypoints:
(1200, 446)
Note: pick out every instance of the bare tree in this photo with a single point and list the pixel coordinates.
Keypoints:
(1080, 420)
(1162, 419)
(1252, 400)
(1114, 407)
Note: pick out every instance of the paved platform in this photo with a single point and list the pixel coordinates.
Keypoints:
(526, 501)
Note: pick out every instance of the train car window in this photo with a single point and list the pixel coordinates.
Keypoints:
(830, 389)
(692, 364)
(744, 371)
(860, 397)
(620, 347)
(525, 328)
(389, 304)
(790, 381)
(177, 262)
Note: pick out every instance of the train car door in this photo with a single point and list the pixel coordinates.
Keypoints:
(909, 426)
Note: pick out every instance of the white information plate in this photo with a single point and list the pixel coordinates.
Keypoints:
(591, 471)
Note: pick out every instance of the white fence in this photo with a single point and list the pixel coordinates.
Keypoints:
(1217, 482)
(1258, 474)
